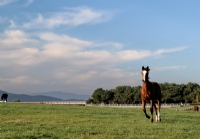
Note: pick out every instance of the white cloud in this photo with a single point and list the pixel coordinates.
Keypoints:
(12, 24)
(20, 83)
(168, 68)
(135, 55)
(28, 3)
(115, 45)
(4, 2)
(20, 57)
(170, 50)
(22, 80)
(19, 47)
(35, 23)
(69, 17)
(50, 60)
(96, 77)
(64, 39)
(14, 39)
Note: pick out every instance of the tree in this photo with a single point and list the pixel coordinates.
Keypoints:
(171, 93)
(197, 93)
(190, 92)
(97, 95)
(136, 94)
(89, 101)
(107, 96)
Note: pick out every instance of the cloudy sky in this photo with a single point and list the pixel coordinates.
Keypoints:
(78, 46)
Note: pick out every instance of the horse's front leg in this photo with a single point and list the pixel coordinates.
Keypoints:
(151, 109)
(144, 109)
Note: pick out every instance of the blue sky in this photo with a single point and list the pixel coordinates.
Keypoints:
(78, 46)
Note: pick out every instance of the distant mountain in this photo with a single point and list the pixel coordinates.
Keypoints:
(63, 95)
(28, 98)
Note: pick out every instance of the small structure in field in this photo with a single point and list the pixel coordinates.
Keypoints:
(16, 100)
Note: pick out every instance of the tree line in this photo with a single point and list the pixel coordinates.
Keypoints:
(171, 93)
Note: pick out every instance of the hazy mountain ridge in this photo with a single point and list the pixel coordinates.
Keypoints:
(45, 96)
(63, 95)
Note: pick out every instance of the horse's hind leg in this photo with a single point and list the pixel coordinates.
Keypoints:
(155, 109)
(159, 105)
(151, 109)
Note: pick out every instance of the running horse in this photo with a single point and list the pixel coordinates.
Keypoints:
(150, 92)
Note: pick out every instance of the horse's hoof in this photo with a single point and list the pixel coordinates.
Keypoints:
(152, 120)
(159, 120)
(148, 116)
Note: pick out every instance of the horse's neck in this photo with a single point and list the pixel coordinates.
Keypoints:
(147, 83)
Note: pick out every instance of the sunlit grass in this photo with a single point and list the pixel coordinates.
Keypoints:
(34, 121)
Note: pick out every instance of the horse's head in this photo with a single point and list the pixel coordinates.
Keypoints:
(145, 73)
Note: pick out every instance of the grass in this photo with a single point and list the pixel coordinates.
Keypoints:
(40, 121)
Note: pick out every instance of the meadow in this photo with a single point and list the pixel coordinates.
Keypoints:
(44, 121)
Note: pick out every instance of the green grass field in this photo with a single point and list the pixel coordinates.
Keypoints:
(42, 121)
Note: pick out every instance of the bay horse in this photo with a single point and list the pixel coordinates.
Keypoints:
(150, 92)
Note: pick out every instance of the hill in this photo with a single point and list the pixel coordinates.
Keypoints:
(46, 96)
(63, 95)
(27, 98)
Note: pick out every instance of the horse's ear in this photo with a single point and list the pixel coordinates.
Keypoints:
(142, 67)
(148, 68)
